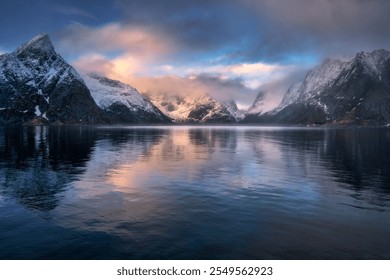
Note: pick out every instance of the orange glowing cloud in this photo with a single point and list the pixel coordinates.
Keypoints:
(116, 51)
(121, 68)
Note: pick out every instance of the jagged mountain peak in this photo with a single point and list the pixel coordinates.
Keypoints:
(231, 104)
(373, 61)
(37, 84)
(39, 44)
(377, 54)
(258, 104)
(233, 109)
(314, 81)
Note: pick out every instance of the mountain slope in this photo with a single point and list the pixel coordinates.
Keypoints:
(38, 85)
(121, 102)
(338, 92)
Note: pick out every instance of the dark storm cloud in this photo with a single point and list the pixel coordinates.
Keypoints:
(238, 30)
(267, 30)
(328, 26)
(210, 25)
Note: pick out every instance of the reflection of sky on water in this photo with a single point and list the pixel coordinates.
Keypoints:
(213, 162)
(220, 192)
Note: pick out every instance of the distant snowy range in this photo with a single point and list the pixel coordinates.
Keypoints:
(37, 86)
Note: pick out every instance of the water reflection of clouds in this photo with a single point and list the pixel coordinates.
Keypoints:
(204, 154)
(180, 154)
(273, 157)
(154, 187)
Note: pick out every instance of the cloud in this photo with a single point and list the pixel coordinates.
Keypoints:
(230, 49)
(239, 82)
(226, 89)
(325, 26)
(200, 29)
(117, 51)
(223, 89)
(239, 31)
(94, 63)
(257, 74)
(247, 68)
(114, 37)
(72, 11)
(266, 30)
(275, 89)
(123, 68)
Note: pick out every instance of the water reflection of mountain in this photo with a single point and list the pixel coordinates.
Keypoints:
(212, 138)
(356, 157)
(38, 163)
(190, 192)
(361, 154)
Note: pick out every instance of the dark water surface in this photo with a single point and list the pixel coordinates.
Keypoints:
(194, 193)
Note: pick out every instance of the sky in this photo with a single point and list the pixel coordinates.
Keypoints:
(230, 49)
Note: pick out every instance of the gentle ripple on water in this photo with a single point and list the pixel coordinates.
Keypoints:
(194, 193)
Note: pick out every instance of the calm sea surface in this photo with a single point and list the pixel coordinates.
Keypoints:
(194, 193)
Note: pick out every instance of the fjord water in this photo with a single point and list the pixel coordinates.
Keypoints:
(194, 193)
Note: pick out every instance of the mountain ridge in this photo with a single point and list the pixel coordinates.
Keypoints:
(37, 86)
(355, 92)
(184, 109)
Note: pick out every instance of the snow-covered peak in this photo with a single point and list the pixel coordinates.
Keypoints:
(321, 76)
(258, 105)
(37, 64)
(40, 43)
(314, 82)
(107, 92)
(38, 82)
(191, 108)
(232, 107)
(373, 61)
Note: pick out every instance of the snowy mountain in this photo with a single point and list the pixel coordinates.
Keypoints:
(191, 109)
(355, 91)
(315, 81)
(121, 102)
(256, 109)
(231, 106)
(37, 85)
